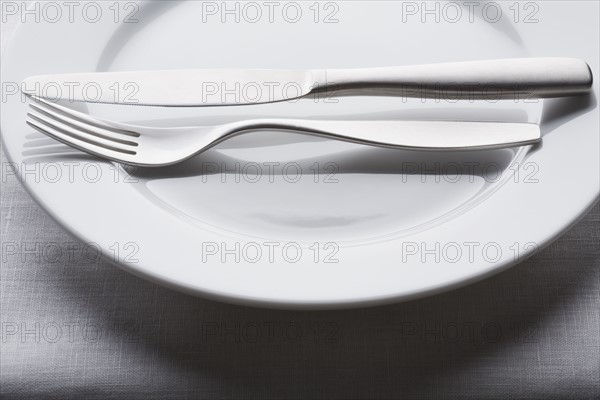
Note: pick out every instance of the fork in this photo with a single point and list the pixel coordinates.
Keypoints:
(152, 147)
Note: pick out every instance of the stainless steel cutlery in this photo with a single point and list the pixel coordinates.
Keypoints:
(149, 146)
(493, 79)
(146, 146)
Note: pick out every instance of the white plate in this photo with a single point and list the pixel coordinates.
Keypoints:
(325, 223)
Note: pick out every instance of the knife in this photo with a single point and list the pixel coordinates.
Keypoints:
(517, 79)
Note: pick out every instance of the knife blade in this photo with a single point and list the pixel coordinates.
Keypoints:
(208, 87)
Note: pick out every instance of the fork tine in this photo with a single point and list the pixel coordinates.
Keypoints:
(50, 115)
(81, 135)
(75, 117)
(98, 151)
(80, 144)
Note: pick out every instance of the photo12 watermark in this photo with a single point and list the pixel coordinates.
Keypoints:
(524, 172)
(59, 172)
(290, 172)
(252, 12)
(122, 92)
(54, 12)
(76, 332)
(270, 332)
(270, 252)
(43, 252)
(466, 252)
(467, 332)
(453, 12)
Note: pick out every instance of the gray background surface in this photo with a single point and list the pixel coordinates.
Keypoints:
(75, 328)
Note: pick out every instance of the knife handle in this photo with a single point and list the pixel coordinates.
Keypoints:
(518, 79)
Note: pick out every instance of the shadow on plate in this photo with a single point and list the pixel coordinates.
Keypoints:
(559, 111)
(358, 159)
(39, 148)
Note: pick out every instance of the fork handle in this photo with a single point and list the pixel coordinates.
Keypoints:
(423, 135)
(516, 78)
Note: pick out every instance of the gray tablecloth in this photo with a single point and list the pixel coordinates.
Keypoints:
(76, 328)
